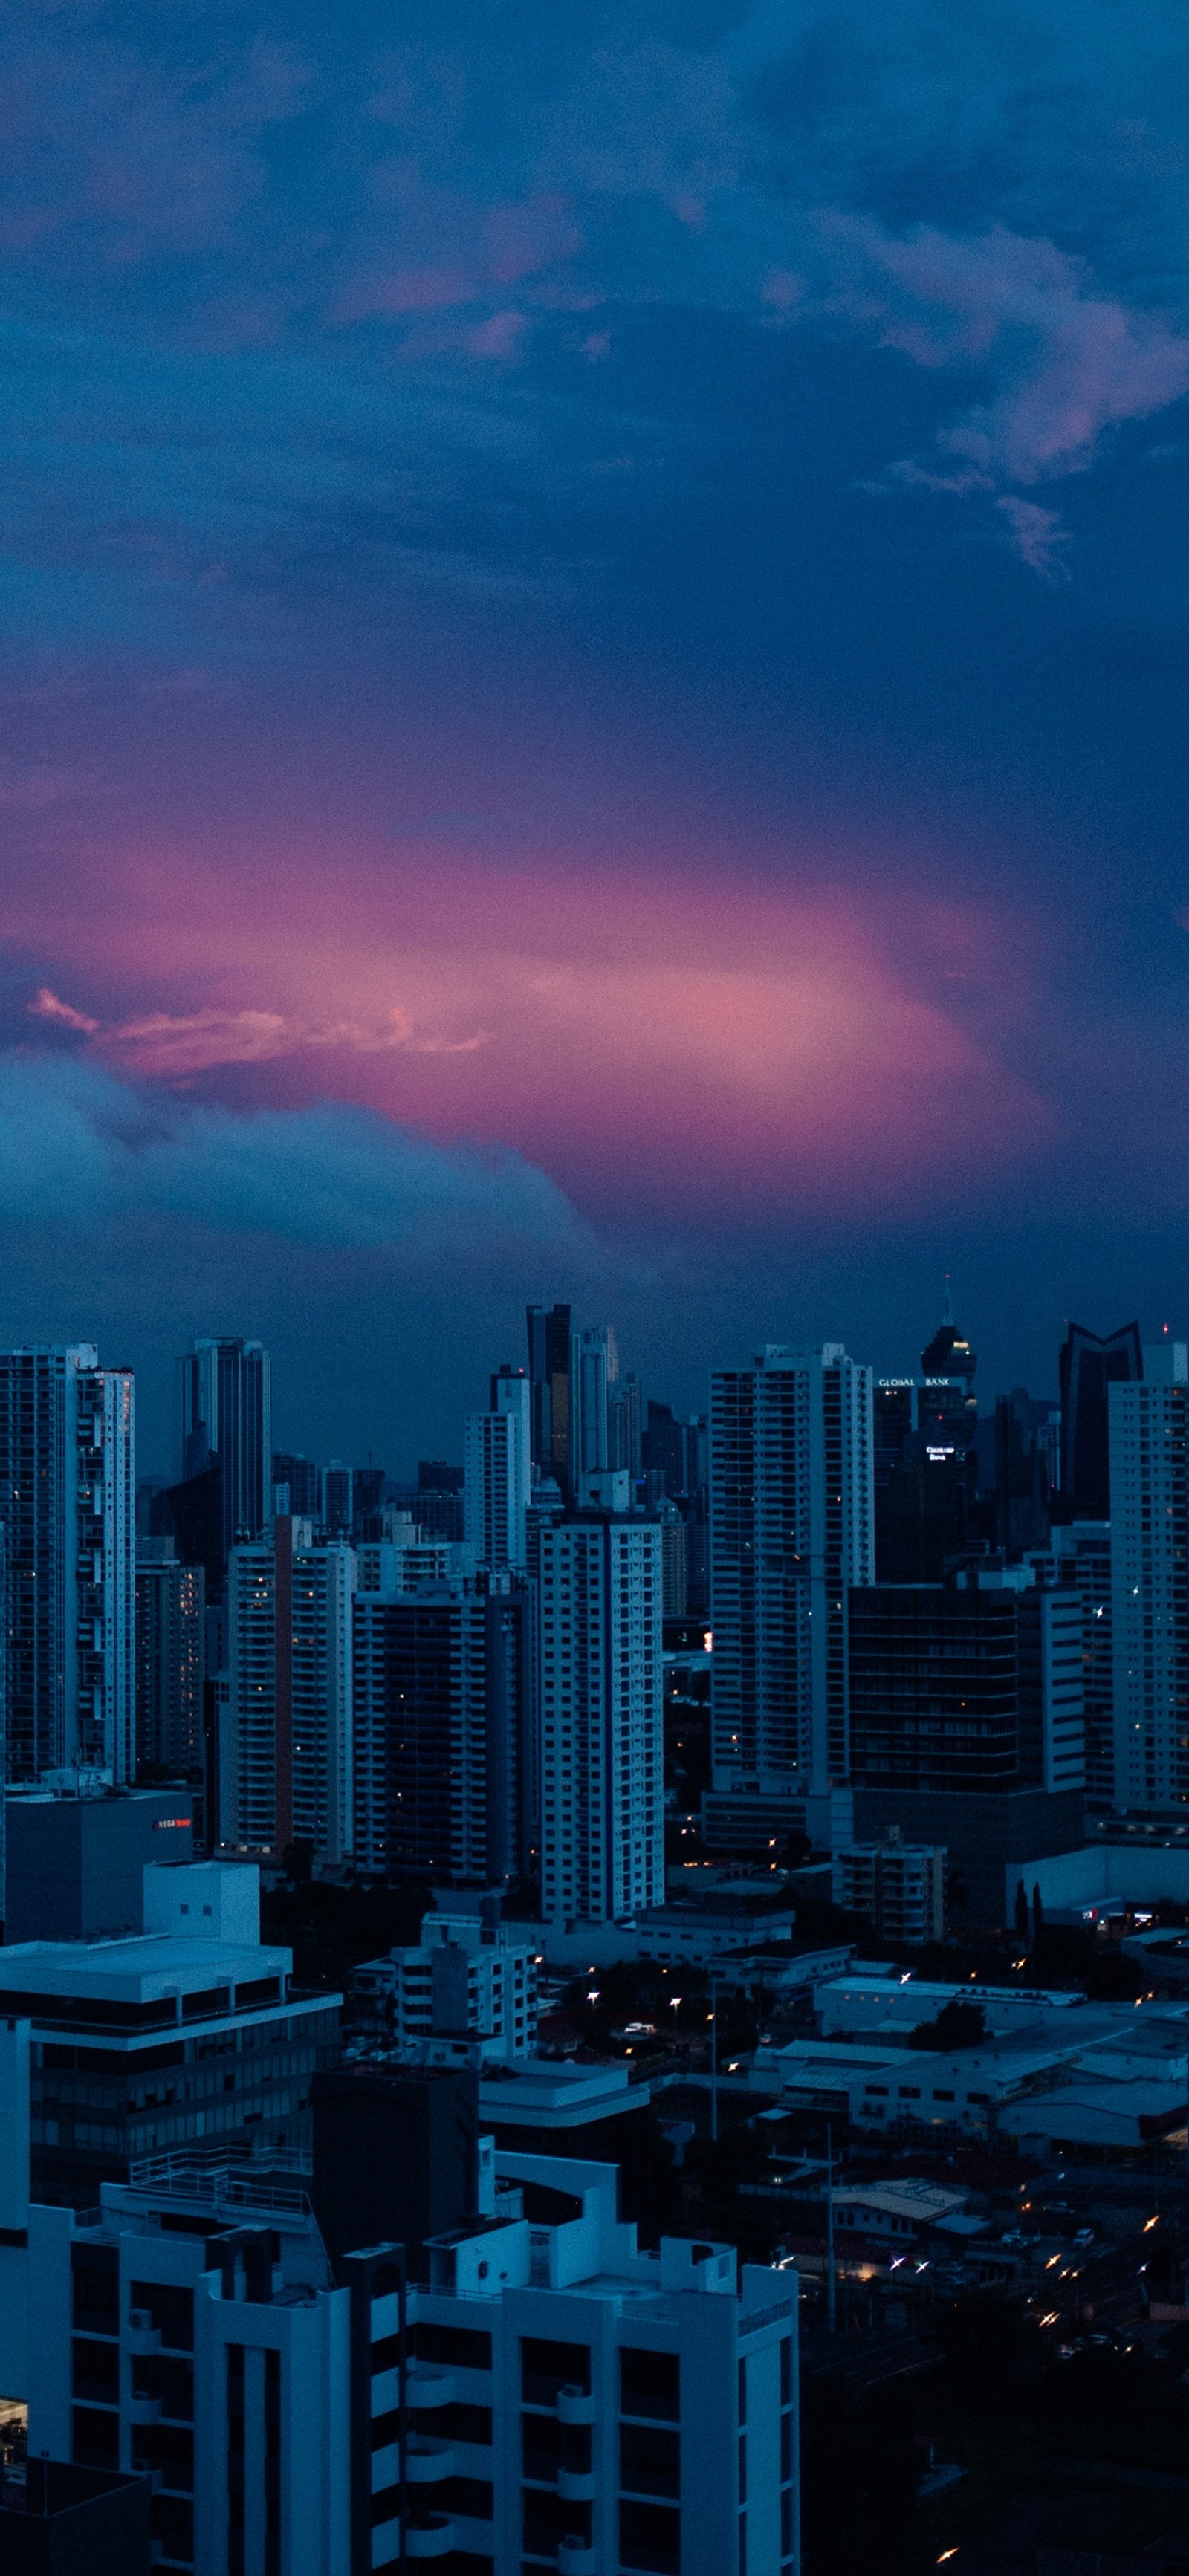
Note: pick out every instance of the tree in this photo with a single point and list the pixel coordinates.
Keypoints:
(1038, 1912)
(959, 2024)
(1021, 1909)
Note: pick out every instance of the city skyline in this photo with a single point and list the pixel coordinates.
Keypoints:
(591, 683)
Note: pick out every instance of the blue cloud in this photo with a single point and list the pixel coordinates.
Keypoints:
(79, 1148)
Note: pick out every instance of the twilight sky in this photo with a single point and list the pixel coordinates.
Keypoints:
(592, 657)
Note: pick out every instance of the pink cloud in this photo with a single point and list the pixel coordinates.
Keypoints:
(46, 1006)
(1066, 363)
(750, 1044)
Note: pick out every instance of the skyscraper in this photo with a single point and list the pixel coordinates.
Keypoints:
(170, 1618)
(594, 1368)
(68, 1498)
(440, 1731)
(549, 1373)
(498, 1472)
(226, 1404)
(286, 1755)
(1081, 1557)
(1149, 1489)
(949, 1355)
(791, 1530)
(1089, 1367)
(597, 1581)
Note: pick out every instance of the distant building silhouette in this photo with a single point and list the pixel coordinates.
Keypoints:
(1088, 1366)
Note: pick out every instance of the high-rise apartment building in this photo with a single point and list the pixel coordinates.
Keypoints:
(170, 1660)
(523, 2391)
(1079, 1556)
(226, 1409)
(286, 1756)
(1149, 1493)
(498, 1472)
(68, 1501)
(597, 1581)
(791, 1532)
(440, 1728)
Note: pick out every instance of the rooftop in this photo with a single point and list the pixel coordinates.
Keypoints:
(141, 1969)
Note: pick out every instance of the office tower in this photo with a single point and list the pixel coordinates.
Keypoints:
(183, 2034)
(285, 1760)
(1089, 1367)
(543, 2397)
(673, 1560)
(934, 1687)
(191, 1514)
(1149, 1490)
(68, 1500)
(599, 1716)
(76, 1864)
(498, 1473)
(440, 1729)
(297, 1484)
(625, 1425)
(791, 1530)
(594, 1368)
(368, 1489)
(549, 1374)
(673, 1451)
(170, 1664)
(949, 1355)
(925, 1477)
(1021, 1473)
(226, 1389)
(338, 1500)
(973, 1685)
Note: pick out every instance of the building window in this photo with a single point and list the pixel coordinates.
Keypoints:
(649, 2460)
(650, 2538)
(547, 2367)
(650, 2384)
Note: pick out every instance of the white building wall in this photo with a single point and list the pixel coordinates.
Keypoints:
(497, 1476)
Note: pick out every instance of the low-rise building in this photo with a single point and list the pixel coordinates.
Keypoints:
(470, 1978)
(897, 2213)
(900, 1886)
(187, 2033)
(859, 2003)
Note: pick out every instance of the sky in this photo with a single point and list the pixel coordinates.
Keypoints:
(593, 642)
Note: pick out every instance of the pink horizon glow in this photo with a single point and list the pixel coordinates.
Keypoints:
(760, 1044)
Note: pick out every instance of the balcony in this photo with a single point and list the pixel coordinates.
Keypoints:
(575, 2406)
(430, 2388)
(576, 2486)
(576, 2558)
(428, 2460)
(432, 2535)
(143, 2336)
(144, 2410)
